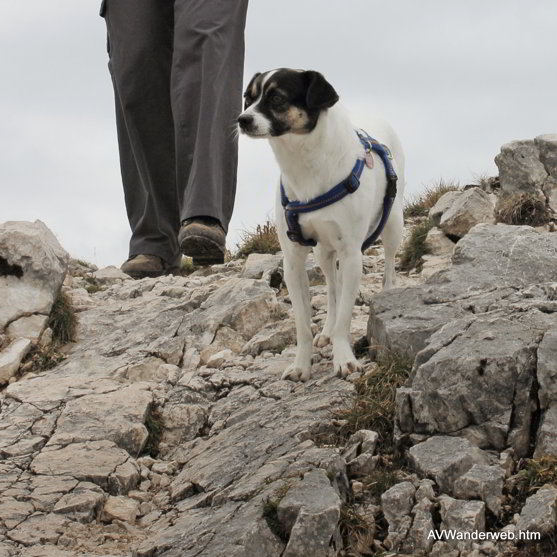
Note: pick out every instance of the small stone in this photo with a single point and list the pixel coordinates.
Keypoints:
(120, 508)
(539, 512)
(110, 274)
(484, 482)
(446, 458)
(30, 327)
(11, 357)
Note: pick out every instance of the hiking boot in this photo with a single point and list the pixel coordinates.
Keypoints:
(141, 266)
(203, 239)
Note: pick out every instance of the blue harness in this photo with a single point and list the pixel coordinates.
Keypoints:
(293, 208)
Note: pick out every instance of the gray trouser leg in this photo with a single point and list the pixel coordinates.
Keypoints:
(206, 89)
(176, 67)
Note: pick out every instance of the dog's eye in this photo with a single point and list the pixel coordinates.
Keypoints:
(247, 102)
(277, 100)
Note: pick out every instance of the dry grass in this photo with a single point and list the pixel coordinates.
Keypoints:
(374, 404)
(533, 473)
(522, 208)
(420, 204)
(63, 320)
(357, 533)
(155, 426)
(414, 248)
(536, 473)
(263, 239)
(42, 358)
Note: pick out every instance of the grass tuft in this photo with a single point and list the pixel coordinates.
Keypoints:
(63, 320)
(414, 248)
(263, 239)
(92, 285)
(42, 358)
(155, 426)
(374, 404)
(356, 531)
(522, 209)
(420, 204)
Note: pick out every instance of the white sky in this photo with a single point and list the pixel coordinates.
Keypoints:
(455, 79)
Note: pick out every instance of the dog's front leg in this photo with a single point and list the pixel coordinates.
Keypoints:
(296, 278)
(327, 262)
(350, 274)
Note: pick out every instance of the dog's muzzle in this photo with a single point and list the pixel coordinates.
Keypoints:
(245, 121)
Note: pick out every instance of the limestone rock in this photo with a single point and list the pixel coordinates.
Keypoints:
(33, 268)
(39, 529)
(30, 327)
(264, 266)
(539, 514)
(520, 168)
(546, 443)
(310, 512)
(419, 540)
(110, 274)
(93, 461)
(82, 504)
(488, 263)
(11, 357)
(117, 416)
(469, 208)
(547, 370)
(396, 503)
(272, 338)
(437, 243)
(442, 205)
(472, 374)
(445, 459)
(462, 516)
(120, 508)
(483, 482)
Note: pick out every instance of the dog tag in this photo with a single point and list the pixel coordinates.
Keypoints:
(369, 160)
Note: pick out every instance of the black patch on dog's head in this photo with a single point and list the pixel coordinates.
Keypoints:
(291, 100)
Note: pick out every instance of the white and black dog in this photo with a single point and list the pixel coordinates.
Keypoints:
(316, 147)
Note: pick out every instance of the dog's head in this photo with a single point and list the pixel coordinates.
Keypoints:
(285, 101)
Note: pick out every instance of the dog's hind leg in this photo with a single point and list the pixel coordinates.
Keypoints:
(392, 237)
(327, 261)
(296, 278)
(344, 360)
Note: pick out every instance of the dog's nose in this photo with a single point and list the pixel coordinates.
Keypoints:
(245, 121)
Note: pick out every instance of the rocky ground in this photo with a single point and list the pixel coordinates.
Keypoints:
(200, 358)
(164, 429)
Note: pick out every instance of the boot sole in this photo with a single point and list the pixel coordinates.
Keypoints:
(202, 250)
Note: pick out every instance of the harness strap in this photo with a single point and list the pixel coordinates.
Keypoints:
(293, 208)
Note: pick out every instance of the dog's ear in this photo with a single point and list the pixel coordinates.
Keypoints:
(252, 81)
(320, 93)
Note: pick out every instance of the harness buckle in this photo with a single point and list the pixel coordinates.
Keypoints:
(352, 183)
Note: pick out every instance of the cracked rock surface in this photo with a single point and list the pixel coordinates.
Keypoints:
(167, 427)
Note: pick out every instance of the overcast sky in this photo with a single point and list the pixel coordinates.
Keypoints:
(455, 79)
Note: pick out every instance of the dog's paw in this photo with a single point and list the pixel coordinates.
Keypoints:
(343, 369)
(321, 340)
(296, 373)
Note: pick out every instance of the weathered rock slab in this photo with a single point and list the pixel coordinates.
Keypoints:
(445, 459)
(33, 268)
